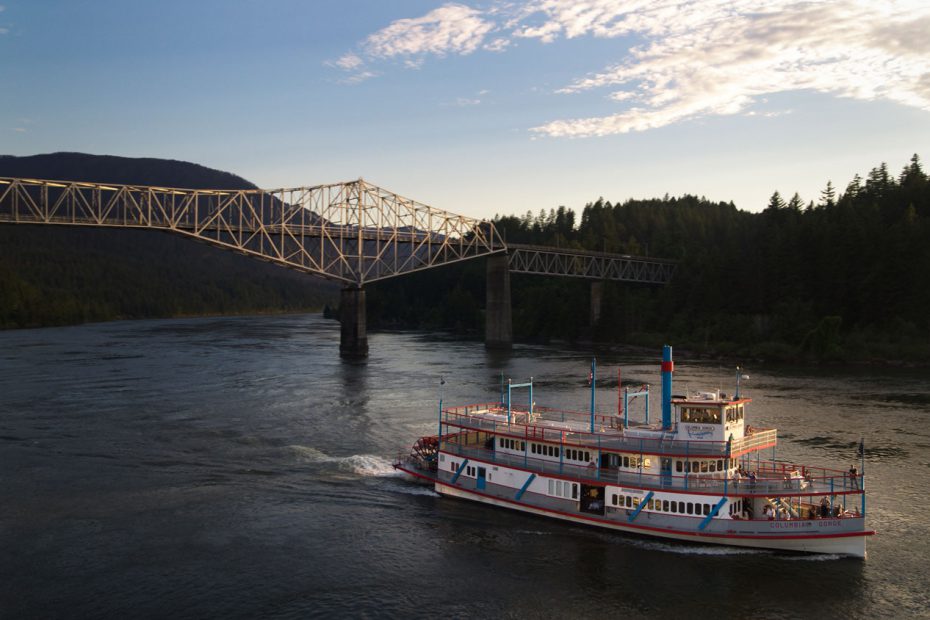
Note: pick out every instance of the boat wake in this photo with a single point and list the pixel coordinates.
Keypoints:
(410, 489)
(358, 464)
(685, 549)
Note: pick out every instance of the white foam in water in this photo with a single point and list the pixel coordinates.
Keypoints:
(820, 557)
(361, 464)
(685, 549)
(367, 465)
(417, 490)
(307, 454)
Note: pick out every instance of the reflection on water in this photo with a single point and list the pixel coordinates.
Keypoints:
(238, 467)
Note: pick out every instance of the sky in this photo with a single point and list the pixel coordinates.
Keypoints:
(480, 108)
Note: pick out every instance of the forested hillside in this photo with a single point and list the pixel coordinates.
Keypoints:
(58, 275)
(842, 277)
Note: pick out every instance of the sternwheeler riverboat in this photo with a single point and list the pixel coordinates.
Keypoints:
(702, 474)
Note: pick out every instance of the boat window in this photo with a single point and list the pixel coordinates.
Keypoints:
(690, 508)
(720, 465)
(613, 499)
(713, 466)
(629, 501)
(651, 504)
(574, 491)
(704, 467)
(647, 463)
(626, 461)
(678, 466)
(681, 507)
(522, 446)
(587, 456)
(674, 506)
(706, 509)
(664, 505)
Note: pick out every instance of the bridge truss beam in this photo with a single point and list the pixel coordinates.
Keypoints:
(352, 232)
(589, 265)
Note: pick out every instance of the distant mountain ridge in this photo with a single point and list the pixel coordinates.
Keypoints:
(67, 166)
(51, 275)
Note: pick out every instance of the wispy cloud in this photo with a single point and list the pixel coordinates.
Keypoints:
(450, 29)
(692, 58)
(718, 58)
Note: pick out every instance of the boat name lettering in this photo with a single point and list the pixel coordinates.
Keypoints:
(778, 525)
(699, 432)
(828, 523)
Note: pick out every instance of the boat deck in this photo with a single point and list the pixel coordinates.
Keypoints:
(573, 428)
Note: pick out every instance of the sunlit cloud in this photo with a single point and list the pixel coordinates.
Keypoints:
(719, 58)
(348, 62)
(679, 61)
(450, 29)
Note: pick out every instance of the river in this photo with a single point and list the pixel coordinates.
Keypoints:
(236, 467)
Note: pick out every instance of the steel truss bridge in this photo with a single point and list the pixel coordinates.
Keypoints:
(353, 232)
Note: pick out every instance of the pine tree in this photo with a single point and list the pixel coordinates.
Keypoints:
(828, 195)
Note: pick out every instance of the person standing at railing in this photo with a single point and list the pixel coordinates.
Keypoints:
(854, 477)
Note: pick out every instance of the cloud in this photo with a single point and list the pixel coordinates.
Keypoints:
(450, 29)
(687, 59)
(719, 58)
(497, 45)
(347, 62)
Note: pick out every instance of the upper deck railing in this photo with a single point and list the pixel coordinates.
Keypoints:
(772, 478)
(525, 425)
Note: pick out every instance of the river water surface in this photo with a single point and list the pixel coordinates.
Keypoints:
(236, 467)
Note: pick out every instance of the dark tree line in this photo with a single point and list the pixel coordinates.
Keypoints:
(58, 275)
(844, 277)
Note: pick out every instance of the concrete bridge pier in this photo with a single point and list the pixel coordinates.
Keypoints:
(498, 321)
(353, 339)
(597, 296)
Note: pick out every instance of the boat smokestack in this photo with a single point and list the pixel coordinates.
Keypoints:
(668, 367)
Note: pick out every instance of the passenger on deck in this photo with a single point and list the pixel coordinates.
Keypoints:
(824, 508)
(854, 477)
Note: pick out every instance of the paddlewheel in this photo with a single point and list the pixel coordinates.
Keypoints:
(425, 450)
(425, 447)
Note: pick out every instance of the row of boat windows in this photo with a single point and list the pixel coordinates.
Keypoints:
(661, 505)
(711, 415)
(672, 506)
(704, 466)
(630, 462)
(571, 454)
(560, 488)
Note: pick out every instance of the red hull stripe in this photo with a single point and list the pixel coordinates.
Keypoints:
(666, 530)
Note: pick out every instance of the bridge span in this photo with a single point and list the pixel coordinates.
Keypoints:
(354, 233)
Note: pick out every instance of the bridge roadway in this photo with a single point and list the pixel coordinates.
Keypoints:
(353, 232)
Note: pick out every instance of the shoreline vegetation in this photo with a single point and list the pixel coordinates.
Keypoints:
(843, 279)
(840, 280)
